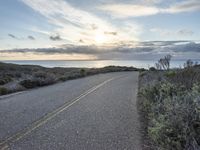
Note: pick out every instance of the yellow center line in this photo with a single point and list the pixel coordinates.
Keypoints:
(49, 116)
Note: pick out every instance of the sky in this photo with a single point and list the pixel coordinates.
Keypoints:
(100, 29)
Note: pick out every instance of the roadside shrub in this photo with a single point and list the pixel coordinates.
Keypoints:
(18, 75)
(3, 91)
(141, 70)
(63, 78)
(170, 74)
(152, 69)
(186, 77)
(143, 73)
(32, 83)
(173, 114)
(73, 76)
(40, 74)
(82, 72)
(29, 83)
(5, 80)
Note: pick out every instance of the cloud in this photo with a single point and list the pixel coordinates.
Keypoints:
(12, 36)
(167, 32)
(73, 24)
(161, 31)
(31, 37)
(141, 50)
(81, 41)
(185, 32)
(21, 38)
(110, 33)
(127, 10)
(189, 47)
(94, 26)
(185, 6)
(55, 37)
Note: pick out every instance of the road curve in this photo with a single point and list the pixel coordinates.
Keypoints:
(96, 112)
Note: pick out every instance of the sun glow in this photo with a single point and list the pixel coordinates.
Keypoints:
(100, 38)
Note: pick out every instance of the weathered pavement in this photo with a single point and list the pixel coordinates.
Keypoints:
(96, 112)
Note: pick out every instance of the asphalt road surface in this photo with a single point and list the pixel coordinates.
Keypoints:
(93, 113)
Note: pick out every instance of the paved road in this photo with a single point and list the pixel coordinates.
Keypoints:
(93, 113)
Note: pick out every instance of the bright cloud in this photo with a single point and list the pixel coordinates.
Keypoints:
(127, 10)
(123, 10)
(75, 25)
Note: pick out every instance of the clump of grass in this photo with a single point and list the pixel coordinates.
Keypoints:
(170, 74)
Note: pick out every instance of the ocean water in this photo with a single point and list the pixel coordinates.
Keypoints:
(96, 63)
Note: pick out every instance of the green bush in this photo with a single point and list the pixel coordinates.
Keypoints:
(28, 83)
(83, 72)
(3, 91)
(170, 74)
(186, 77)
(173, 115)
(152, 69)
(5, 80)
(63, 78)
(40, 74)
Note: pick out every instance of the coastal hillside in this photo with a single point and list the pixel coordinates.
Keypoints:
(15, 77)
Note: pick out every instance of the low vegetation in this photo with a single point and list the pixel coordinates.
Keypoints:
(3, 91)
(169, 104)
(21, 77)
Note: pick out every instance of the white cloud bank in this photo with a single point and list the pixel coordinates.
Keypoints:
(122, 10)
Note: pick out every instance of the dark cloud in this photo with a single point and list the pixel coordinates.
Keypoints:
(81, 41)
(21, 38)
(143, 50)
(12, 36)
(94, 26)
(65, 50)
(55, 37)
(31, 37)
(161, 43)
(185, 32)
(110, 33)
(189, 47)
(191, 5)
